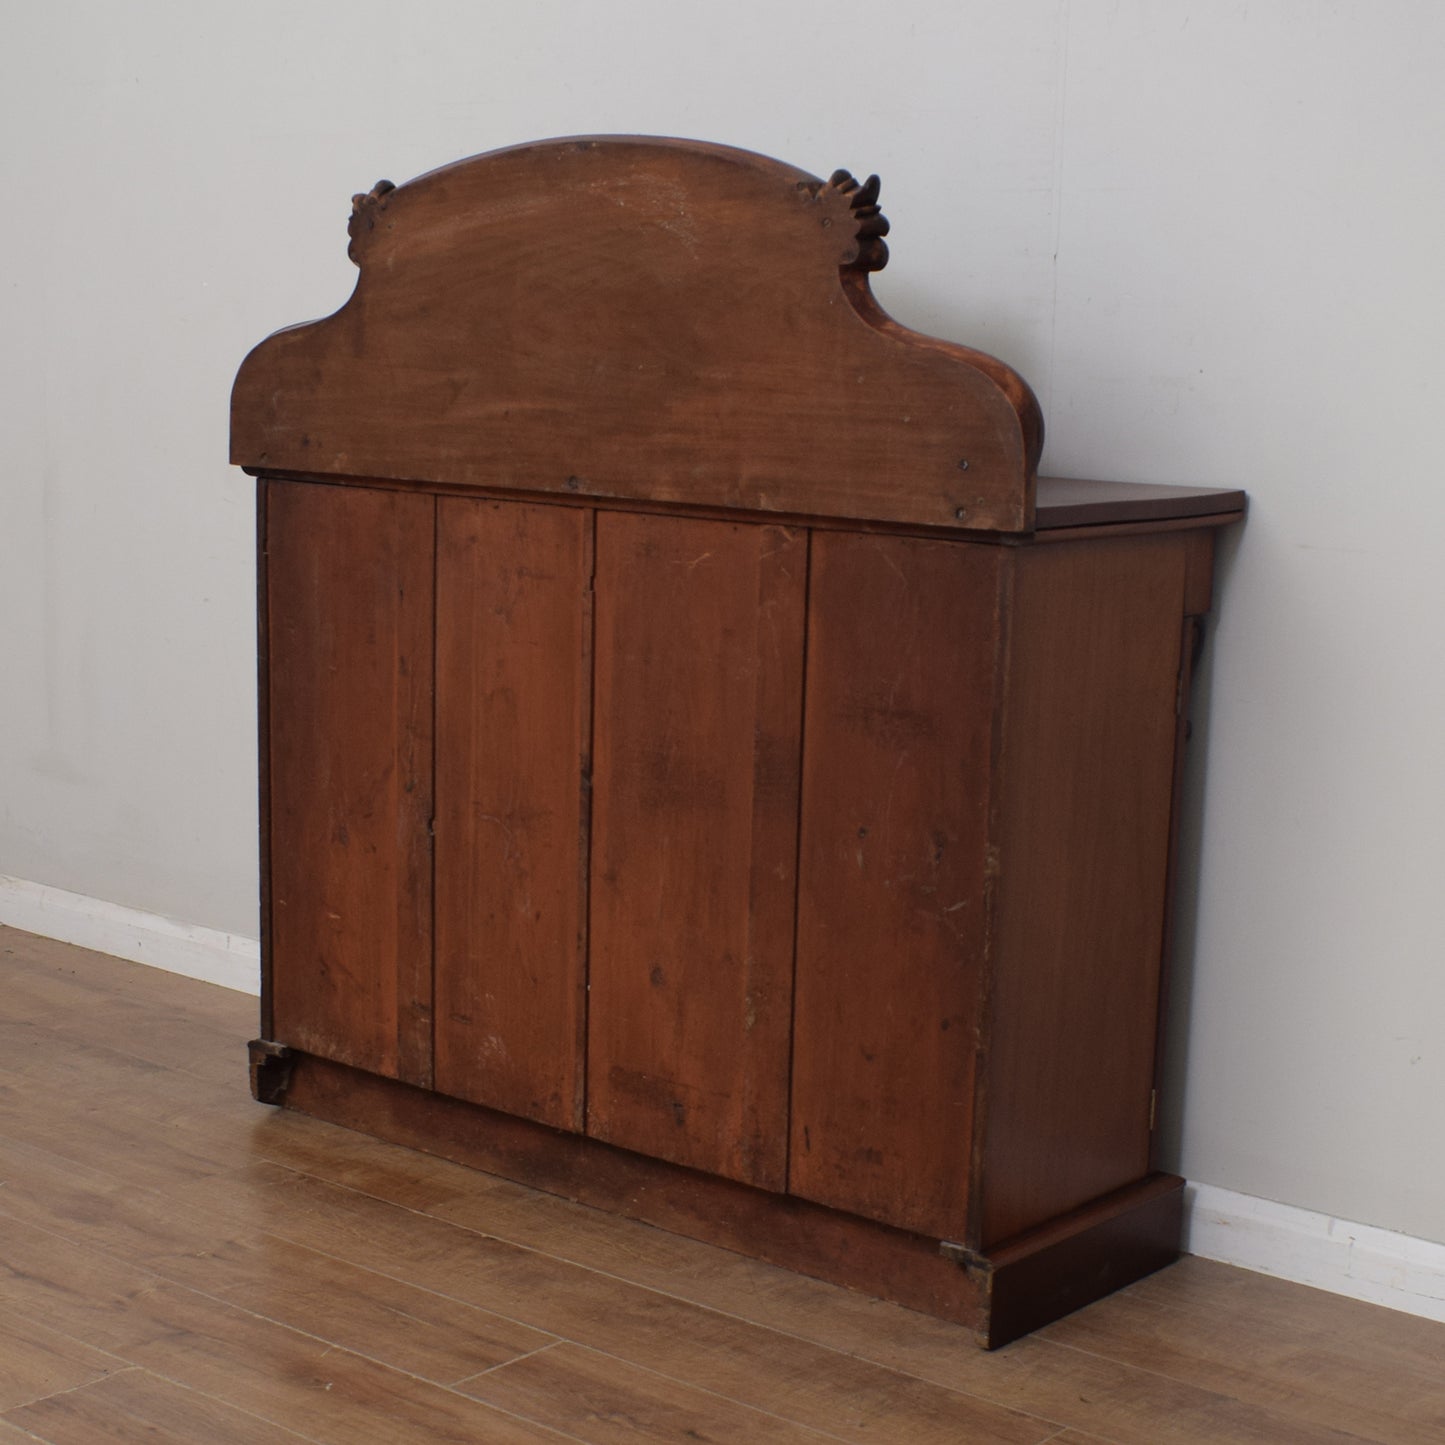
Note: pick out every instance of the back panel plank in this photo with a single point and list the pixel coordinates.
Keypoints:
(349, 601)
(891, 913)
(1086, 771)
(699, 689)
(513, 687)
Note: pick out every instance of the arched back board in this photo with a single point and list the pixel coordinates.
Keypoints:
(638, 318)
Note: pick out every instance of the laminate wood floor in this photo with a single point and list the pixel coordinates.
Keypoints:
(183, 1265)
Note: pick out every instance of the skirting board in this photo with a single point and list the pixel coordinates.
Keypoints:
(1357, 1260)
(224, 958)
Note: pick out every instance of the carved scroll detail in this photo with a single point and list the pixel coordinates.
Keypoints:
(872, 223)
(364, 211)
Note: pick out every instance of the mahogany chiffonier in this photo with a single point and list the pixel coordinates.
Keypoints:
(704, 771)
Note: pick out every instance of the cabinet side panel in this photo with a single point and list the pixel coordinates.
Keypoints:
(698, 696)
(349, 598)
(513, 643)
(902, 648)
(1086, 771)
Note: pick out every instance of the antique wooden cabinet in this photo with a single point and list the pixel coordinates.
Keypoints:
(704, 771)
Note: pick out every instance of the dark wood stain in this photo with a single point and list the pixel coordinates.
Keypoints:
(704, 770)
(1085, 780)
(891, 905)
(638, 318)
(349, 640)
(698, 703)
(513, 626)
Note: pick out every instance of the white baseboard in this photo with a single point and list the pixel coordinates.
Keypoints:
(224, 958)
(1376, 1265)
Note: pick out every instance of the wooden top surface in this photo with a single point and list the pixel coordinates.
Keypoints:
(645, 319)
(1075, 502)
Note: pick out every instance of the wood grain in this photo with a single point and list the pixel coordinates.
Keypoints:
(596, 1397)
(1198, 1353)
(1322, 1355)
(41, 1361)
(418, 1331)
(60, 1284)
(1076, 502)
(1085, 780)
(265, 1368)
(827, 1243)
(902, 641)
(137, 1407)
(685, 779)
(1116, 1401)
(513, 727)
(1073, 1260)
(641, 318)
(756, 1366)
(233, 1355)
(350, 604)
(697, 716)
(117, 1126)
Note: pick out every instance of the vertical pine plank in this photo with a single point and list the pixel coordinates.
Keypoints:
(513, 720)
(902, 640)
(349, 602)
(699, 662)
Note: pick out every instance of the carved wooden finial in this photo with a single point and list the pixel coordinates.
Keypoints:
(872, 223)
(364, 209)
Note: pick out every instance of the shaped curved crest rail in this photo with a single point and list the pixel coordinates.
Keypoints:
(635, 318)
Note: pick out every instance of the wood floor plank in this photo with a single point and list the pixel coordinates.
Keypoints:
(419, 1331)
(141, 1120)
(252, 1363)
(342, 1156)
(1314, 1356)
(14, 1435)
(93, 1207)
(139, 1408)
(172, 1035)
(282, 1374)
(1123, 1400)
(139, 1184)
(36, 1361)
(424, 1333)
(800, 1381)
(64, 1286)
(609, 1402)
(76, 973)
(1379, 1339)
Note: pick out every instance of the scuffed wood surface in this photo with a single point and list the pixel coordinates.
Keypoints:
(640, 318)
(349, 596)
(902, 637)
(697, 714)
(513, 676)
